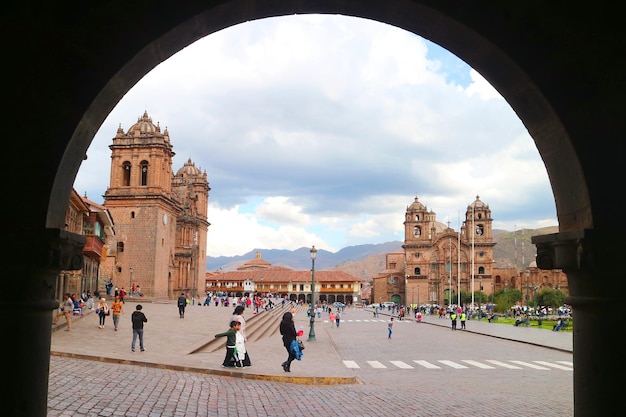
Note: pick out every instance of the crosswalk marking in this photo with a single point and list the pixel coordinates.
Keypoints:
(453, 364)
(351, 364)
(568, 363)
(555, 365)
(427, 364)
(531, 365)
(540, 365)
(401, 364)
(503, 364)
(477, 364)
(376, 364)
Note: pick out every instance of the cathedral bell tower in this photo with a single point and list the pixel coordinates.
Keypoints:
(141, 203)
(479, 238)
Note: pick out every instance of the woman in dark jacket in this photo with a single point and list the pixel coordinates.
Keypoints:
(288, 330)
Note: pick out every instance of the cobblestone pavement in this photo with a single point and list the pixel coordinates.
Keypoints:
(94, 373)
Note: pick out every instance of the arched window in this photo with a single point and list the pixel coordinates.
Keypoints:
(417, 271)
(481, 269)
(144, 172)
(417, 231)
(417, 217)
(126, 173)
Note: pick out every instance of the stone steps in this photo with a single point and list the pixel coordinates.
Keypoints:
(263, 324)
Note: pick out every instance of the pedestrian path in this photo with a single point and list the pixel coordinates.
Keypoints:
(171, 343)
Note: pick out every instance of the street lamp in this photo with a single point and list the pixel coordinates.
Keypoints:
(130, 284)
(480, 296)
(527, 288)
(312, 311)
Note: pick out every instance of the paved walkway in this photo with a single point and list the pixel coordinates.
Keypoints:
(170, 341)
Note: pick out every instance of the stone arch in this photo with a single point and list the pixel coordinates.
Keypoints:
(559, 75)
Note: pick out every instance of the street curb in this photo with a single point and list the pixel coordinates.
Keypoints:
(219, 372)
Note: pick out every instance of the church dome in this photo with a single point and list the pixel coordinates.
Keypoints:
(478, 204)
(416, 205)
(144, 125)
(189, 169)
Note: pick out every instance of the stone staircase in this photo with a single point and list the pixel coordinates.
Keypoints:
(263, 324)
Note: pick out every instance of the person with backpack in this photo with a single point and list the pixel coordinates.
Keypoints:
(182, 303)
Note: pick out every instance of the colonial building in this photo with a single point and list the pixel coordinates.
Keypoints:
(160, 217)
(436, 260)
(93, 221)
(258, 277)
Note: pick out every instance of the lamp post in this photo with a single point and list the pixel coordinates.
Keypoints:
(480, 296)
(312, 311)
(130, 284)
(527, 288)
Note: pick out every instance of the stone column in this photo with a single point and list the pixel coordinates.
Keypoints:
(595, 279)
(30, 267)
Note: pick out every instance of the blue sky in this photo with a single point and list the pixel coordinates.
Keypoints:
(321, 130)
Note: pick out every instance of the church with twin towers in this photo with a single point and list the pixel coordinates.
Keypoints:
(436, 260)
(160, 216)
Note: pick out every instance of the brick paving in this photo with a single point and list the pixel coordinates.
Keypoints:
(94, 373)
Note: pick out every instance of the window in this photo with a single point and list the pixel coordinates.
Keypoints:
(120, 246)
(417, 255)
(417, 271)
(481, 269)
(417, 231)
(144, 172)
(417, 217)
(126, 173)
(481, 254)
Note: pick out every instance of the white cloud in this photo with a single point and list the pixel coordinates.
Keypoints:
(320, 130)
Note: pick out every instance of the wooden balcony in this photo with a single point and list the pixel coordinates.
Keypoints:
(94, 247)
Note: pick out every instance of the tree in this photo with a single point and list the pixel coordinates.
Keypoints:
(550, 297)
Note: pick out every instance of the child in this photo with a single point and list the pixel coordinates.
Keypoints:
(231, 343)
(241, 354)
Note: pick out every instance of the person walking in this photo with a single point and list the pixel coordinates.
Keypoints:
(389, 327)
(182, 303)
(238, 316)
(231, 343)
(118, 308)
(242, 359)
(103, 312)
(331, 317)
(337, 318)
(65, 311)
(288, 331)
(138, 319)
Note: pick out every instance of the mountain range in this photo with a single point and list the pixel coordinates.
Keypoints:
(513, 249)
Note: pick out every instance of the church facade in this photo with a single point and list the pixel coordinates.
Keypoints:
(160, 217)
(436, 260)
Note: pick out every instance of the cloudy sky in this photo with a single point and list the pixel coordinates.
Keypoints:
(321, 130)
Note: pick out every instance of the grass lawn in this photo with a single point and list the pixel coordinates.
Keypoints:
(546, 323)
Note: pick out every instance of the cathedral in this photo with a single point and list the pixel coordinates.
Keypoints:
(160, 217)
(437, 261)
